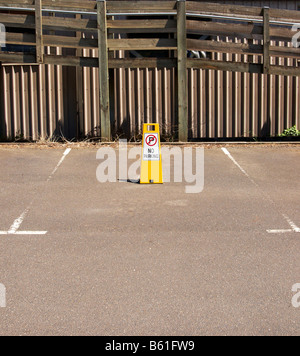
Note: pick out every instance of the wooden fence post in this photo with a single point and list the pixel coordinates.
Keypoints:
(267, 41)
(103, 71)
(39, 32)
(182, 72)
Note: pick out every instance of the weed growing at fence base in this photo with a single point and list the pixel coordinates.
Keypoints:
(292, 132)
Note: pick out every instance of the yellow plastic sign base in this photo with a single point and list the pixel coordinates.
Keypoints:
(151, 168)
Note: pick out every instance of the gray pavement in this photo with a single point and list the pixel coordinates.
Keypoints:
(126, 259)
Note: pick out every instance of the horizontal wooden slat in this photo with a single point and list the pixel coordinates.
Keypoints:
(71, 61)
(224, 66)
(142, 44)
(286, 71)
(113, 63)
(285, 52)
(70, 42)
(49, 4)
(140, 6)
(248, 31)
(224, 29)
(54, 41)
(142, 63)
(141, 24)
(280, 33)
(74, 42)
(242, 48)
(142, 30)
(232, 10)
(18, 3)
(19, 21)
(49, 23)
(285, 15)
(90, 6)
(70, 5)
(142, 13)
(17, 58)
(242, 11)
(61, 23)
(241, 67)
(150, 63)
(224, 47)
(20, 38)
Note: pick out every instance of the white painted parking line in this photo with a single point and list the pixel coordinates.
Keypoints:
(292, 224)
(17, 223)
(24, 233)
(14, 229)
(227, 153)
(67, 151)
(31, 233)
(279, 231)
(294, 227)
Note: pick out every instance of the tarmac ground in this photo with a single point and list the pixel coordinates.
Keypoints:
(80, 257)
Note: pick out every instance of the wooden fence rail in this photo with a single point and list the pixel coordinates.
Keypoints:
(167, 30)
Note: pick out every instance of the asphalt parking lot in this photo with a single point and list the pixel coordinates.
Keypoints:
(79, 257)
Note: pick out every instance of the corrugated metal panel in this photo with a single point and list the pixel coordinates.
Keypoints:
(40, 102)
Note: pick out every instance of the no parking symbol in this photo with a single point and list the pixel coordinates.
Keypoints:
(151, 140)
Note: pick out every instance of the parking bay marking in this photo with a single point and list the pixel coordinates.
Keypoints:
(13, 230)
(294, 227)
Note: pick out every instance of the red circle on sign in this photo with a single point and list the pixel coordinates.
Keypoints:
(151, 140)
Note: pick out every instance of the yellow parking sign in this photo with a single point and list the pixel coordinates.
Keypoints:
(151, 168)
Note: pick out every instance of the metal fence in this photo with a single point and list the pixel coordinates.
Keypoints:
(41, 101)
